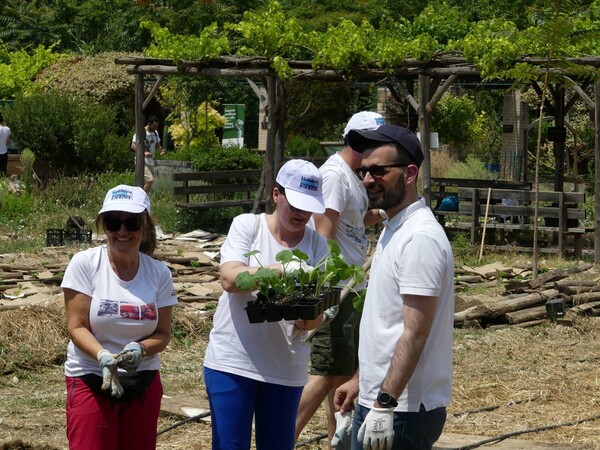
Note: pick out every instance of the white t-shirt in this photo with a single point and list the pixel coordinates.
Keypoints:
(273, 352)
(4, 135)
(345, 193)
(120, 311)
(413, 256)
(152, 138)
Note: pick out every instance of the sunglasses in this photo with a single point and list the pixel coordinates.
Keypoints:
(113, 223)
(281, 190)
(377, 172)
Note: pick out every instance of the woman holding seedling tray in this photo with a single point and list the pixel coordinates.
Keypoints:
(258, 370)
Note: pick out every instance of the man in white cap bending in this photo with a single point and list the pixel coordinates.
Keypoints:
(334, 347)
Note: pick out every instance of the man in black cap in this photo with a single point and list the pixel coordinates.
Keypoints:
(404, 379)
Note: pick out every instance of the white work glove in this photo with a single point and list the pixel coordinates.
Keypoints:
(377, 431)
(110, 378)
(296, 264)
(130, 357)
(342, 437)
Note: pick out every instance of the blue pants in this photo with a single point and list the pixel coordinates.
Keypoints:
(412, 431)
(235, 400)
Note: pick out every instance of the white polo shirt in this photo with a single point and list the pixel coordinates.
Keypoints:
(413, 256)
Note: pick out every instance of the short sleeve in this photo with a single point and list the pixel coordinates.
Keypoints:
(239, 239)
(78, 275)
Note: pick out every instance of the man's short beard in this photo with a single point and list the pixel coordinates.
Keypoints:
(391, 199)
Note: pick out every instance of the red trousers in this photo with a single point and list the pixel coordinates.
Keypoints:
(98, 423)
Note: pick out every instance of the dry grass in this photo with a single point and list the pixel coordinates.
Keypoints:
(529, 378)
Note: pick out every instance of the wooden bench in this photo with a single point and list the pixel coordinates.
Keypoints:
(217, 189)
(559, 213)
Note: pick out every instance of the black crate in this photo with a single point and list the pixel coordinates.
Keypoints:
(79, 236)
(55, 237)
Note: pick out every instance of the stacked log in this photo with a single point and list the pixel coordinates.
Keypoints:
(526, 302)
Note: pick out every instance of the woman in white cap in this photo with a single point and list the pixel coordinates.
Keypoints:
(118, 301)
(259, 370)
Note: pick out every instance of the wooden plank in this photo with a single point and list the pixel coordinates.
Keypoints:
(466, 209)
(484, 184)
(215, 188)
(523, 196)
(217, 175)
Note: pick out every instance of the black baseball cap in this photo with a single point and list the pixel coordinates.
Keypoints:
(363, 140)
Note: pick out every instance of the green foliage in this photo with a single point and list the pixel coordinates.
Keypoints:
(68, 135)
(471, 169)
(298, 146)
(27, 162)
(18, 69)
(209, 44)
(226, 158)
(195, 127)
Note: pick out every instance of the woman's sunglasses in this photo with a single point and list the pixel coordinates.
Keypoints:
(282, 192)
(113, 223)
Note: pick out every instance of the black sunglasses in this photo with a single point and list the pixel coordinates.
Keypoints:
(113, 223)
(281, 190)
(376, 172)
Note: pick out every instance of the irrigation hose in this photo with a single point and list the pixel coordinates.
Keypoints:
(184, 421)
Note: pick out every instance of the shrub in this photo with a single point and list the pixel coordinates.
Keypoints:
(226, 158)
(299, 146)
(471, 169)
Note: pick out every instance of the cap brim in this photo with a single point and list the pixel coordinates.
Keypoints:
(363, 140)
(310, 203)
(124, 207)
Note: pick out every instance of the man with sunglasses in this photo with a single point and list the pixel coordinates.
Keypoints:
(334, 347)
(404, 379)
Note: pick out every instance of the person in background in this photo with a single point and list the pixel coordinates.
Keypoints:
(151, 146)
(257, 370)
(334, 346)
(4, 143)
(404, 379)
(118, 302)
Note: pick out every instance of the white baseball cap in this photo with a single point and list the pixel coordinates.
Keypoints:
(303, 184)
(126, 198)
(364, 120)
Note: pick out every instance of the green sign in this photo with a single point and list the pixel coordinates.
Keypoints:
(233, 132)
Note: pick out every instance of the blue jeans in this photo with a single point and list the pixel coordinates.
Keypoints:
(412, 431)
(235, 400)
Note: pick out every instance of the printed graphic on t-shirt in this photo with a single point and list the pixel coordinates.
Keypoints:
(108, 308)
(149, 312)
(130, 312)
(127, 310)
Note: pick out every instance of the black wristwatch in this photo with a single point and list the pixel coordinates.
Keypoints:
(386, 400)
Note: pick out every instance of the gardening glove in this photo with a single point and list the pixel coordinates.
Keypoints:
(330, 313)
(295, 265)
(343, 431)
(377, 431)
(130, 357)
(110, 378)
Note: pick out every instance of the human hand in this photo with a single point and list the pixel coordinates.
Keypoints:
(377, 430)
(343, 399)
(110, 378)
(130, 357)
(296, 264)
(343, 430)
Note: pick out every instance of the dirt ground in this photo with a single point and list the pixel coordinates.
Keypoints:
(538, 384)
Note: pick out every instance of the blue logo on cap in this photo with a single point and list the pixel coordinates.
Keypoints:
(122, 194)
(309, 184)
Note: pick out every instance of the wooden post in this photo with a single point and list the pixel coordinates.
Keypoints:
(424, 81)
(140, 131)
(562, 223)
(597, 183)
(474, 215)
(485, 219)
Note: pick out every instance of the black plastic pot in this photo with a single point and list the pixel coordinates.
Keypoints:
(254, 310)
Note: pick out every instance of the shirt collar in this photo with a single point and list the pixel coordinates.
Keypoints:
(396, 222)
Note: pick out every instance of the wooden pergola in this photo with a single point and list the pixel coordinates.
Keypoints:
(430, 80)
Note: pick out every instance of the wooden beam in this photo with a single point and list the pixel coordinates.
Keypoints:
(597, 182)
(407, 95)
(152, 92)
(440, 92)
(581, 92)
(140, 131)
(424, 117)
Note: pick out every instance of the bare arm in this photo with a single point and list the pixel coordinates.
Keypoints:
(77, 306)
(372, 217)
(230, 270)
(326, 223)
(158, 341)
(418, 317)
